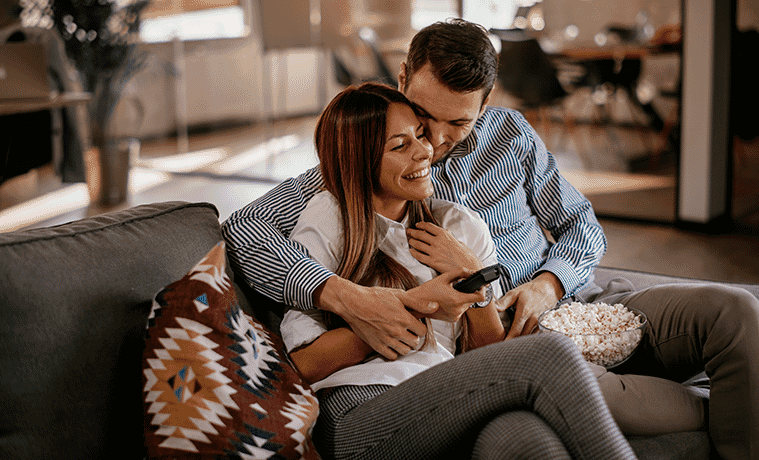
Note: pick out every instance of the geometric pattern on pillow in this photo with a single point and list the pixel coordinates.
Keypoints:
(217, 383)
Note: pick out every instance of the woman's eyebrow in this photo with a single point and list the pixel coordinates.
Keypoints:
(395, 136)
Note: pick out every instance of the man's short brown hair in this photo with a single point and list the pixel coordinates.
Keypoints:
(460, 53)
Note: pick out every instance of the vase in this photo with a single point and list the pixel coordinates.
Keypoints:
(108, 166)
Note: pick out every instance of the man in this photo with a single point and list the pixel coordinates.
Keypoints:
(492, 161)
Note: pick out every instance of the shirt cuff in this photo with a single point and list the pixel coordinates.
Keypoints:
(565, 272)
(301, 282)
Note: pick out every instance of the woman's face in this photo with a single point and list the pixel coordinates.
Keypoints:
(405, 167)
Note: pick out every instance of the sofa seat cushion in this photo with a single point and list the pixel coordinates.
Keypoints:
(74, 301)
(217, 384)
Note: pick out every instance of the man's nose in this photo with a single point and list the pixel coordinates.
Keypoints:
(435, 132)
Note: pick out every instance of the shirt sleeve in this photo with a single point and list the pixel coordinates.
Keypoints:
(320, 231)
(565, 213)
(301, 327)
(259, 249)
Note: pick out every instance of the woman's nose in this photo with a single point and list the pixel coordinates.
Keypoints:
(423, 149)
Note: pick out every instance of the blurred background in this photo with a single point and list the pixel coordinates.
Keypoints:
(229, 90)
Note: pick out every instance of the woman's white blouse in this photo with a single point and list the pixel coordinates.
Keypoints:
(319, 230)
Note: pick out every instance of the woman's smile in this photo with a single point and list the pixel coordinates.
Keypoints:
(418, 174)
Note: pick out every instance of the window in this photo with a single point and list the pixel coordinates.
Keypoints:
(164, 20)
(491, 14)
(426, 12)
(226, 22)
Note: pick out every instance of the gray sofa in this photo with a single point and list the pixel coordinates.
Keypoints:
(74, 300)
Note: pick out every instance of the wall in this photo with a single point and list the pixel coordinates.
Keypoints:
(253, 77)
(208, 82)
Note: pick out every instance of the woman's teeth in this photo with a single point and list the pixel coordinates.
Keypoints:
(418, 174)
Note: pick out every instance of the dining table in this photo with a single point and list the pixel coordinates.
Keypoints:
(618, 65)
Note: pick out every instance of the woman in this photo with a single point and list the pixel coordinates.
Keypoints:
(531, 397)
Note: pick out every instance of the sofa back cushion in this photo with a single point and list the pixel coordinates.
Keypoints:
(74, 301)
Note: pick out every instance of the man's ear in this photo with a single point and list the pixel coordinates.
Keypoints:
(402, 77)
(486, 102)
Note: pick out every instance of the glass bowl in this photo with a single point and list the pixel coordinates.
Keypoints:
(609, 349)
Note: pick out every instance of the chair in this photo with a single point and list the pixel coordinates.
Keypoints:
(383, 73)
(527, 74)
(351, 67)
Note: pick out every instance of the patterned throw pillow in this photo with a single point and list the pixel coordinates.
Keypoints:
(217, 384)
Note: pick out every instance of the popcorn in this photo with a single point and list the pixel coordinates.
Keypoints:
(606, 334)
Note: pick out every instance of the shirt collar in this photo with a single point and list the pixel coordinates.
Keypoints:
(383, 226)
(467, 146)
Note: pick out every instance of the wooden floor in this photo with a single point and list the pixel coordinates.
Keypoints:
(232, 167)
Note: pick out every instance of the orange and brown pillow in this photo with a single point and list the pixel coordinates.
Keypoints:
(217, 384)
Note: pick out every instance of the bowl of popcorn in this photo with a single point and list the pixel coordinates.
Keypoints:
(606, 335)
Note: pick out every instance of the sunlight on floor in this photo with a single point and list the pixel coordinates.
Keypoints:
(259, 153)
(151, 172)
(69, 199)
(589, 183)
(184, 162)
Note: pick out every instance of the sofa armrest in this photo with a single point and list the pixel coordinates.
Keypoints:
(643, 279)
(74, 301)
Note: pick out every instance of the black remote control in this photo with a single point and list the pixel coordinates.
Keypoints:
(478, 279)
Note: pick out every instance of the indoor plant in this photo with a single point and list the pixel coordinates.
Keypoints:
(101, 39)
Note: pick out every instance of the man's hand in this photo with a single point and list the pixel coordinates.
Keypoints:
(377, 315)
(529, 301)
(438, 249)
(439, 291)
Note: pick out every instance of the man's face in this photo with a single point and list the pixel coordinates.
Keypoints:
(448, 116)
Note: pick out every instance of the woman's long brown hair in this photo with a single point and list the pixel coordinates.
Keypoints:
(350, 139)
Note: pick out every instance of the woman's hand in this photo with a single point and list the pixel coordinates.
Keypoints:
(438, 249)
(451, 304)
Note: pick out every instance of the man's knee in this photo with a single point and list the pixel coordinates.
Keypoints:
(737, 309)
(744, 305)
(644, 405)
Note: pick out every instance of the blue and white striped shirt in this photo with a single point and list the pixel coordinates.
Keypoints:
(502, 170)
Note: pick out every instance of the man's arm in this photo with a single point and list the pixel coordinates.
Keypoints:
(377, 315)
(579, 239)
(339, 348)
(259, 249)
